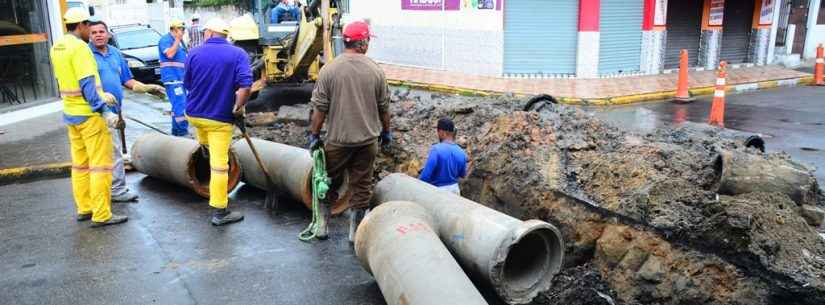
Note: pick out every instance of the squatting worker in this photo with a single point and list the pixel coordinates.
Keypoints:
(447, 162)
(86, 114)
(114, 75)
(172, 54)
(352, 93)
(218, 78)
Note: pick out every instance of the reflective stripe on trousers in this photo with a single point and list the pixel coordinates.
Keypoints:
(217, 136)
(91, 149)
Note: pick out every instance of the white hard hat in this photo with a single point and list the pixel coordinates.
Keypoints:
(76, 15)
(217, 25)
(196, 16)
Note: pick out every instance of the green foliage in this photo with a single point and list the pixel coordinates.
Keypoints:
(237, 3)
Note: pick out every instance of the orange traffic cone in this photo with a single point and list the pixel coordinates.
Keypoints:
(820, 66)
(717, 109)
(682, 94)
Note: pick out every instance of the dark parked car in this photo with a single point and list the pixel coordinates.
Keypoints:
(139, 44)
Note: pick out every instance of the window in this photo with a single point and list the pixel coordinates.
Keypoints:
(137, 39)
(821, 18)
(25, 68)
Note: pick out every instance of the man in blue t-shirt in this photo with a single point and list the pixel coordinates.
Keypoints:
(114, 75)
(447, 162)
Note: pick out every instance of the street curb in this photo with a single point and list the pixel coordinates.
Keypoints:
(616, 100)
(18, 174)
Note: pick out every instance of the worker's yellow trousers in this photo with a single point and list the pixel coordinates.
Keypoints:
(91, 145)
(217, 136)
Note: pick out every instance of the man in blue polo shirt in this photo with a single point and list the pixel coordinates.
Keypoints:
(114, 75)
(218, 78)
(447, 162)
(172, 55)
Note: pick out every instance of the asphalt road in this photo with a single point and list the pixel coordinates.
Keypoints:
(789, 119)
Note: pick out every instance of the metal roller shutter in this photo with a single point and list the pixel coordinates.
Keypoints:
(621, 36)
(540, 36)
(684, 30)
(736, 30)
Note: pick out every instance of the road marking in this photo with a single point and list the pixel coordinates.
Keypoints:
(14, 117)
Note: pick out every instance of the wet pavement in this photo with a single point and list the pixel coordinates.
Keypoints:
(789, 119)
(168, 252)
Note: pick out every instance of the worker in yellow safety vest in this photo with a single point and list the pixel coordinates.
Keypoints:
(87, 115)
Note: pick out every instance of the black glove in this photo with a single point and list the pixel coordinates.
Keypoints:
(240, 121)
(385, 139)
(315, 142)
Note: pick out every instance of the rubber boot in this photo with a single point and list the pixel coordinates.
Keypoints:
(225, 216)
(356, 215)
(322, 232)
(116, 219)
(84, 217)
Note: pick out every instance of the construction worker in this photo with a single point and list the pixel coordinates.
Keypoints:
(218, 78)
(172, 53)
(114, 75)
(86, 114)
(283, 8)
(446, 162)
(352, 92)
(195, 32)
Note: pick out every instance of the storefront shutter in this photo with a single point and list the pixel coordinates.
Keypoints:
(540, 36)
(736, 30)
(684, 29)
(621, 36)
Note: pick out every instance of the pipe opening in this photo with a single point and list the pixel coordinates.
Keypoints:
(343, 190)
(532, 261)
(200, 172)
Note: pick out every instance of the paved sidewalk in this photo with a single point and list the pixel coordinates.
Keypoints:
(604, 91)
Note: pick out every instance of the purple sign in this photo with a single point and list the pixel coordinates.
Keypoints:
(430, 5)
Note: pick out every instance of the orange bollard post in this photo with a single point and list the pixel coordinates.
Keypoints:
(819, 78)
(717, 108)
(682, 93)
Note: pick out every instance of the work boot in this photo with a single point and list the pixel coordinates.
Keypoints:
(84, 217)
(204, 151)
(322, 231)
(128, 196)
(116, 219)
(225, 216)
(356, 215)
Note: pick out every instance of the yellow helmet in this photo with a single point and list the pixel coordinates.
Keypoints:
(217, 25)
(75, 15)
(243, 28)
(176, 23)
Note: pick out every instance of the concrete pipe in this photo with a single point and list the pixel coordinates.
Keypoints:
(178, 160)
(396, 242)
(741, 173)
(519, 258)
(291, 170)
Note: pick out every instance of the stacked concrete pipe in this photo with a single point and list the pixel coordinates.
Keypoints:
(397, 243)
(178, 160)
(291, 170)
(518, 258)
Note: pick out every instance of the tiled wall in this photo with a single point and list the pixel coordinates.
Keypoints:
(758, 50)
(709, 49)
(653, 51)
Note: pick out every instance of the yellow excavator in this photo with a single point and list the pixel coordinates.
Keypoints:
(288, 55)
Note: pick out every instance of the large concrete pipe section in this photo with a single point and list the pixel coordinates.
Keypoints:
(396, 242)
(291, 170)
(741, 173)
(178, 160)
(519, 258)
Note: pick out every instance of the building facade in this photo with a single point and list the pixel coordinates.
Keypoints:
(570, 38)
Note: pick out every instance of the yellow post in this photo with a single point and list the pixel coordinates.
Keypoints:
(327, 18)
(63, 9)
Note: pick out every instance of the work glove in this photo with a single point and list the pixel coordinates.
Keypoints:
(113, 121)
(385, 139)
(315, 142)
(109, 99)
(152, 89)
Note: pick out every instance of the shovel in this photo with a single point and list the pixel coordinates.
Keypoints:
(271, 200)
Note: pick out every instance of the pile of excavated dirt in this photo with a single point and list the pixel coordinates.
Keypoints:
(640, 213)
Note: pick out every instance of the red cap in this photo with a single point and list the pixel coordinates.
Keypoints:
(357, 30)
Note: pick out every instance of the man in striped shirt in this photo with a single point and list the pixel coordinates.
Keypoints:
(195, 32)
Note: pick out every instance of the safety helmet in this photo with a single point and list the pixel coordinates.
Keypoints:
(76, 15)
(196, 16)
(357, 30)
(176, 24)
(217, 25)
(243, 28)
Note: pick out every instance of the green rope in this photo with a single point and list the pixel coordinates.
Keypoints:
(320, 186)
